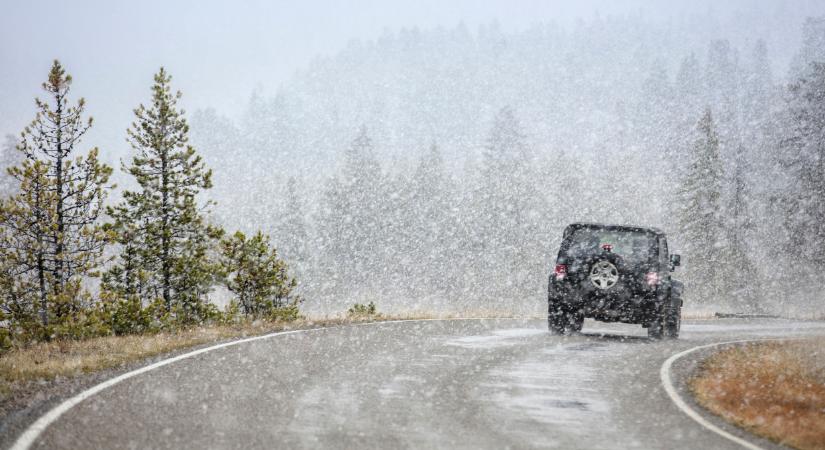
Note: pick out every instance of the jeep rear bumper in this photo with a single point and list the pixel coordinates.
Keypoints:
(619, 305)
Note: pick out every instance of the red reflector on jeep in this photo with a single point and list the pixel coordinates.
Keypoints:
(560, 271)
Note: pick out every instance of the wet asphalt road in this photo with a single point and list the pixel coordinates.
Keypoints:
(434, 384)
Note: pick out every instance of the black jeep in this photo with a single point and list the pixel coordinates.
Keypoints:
(615, 274)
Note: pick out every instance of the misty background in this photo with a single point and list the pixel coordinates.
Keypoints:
(427, 156)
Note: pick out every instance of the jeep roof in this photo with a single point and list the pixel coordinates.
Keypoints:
(577, 225)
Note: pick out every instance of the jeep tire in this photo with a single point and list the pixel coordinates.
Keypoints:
(561, 322)
(655, 329)
(673, 321)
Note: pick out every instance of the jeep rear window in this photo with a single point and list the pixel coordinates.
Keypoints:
(633, 246)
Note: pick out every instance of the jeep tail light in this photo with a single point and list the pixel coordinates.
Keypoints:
(560, 271)
(652, 278)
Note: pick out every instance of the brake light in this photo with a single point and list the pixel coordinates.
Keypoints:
(560, 271)
(652, 278)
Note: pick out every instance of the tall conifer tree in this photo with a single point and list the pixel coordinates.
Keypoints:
(701, 222)
(50, 226)
(349, 224)
(161, 226)
(743, 277)
(291, 230)
(431, 223)
(803, 156)
(509, 231)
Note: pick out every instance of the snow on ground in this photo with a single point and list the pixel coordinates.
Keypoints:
(496, 338)
(558, 389)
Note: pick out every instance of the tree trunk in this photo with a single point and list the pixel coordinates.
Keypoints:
(41, 277)
(58, 257)
(165, 232)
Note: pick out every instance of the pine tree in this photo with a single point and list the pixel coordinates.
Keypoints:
(255, 274)
(743, 276)
(803, 156)
(430, 224)
(331, 251)
(129, 278)
(701, 223)
(13, 309)
(291, 230)
(50, 227)
(510, 232)
(350, 230)
(161, 227)
(400, 244)
(25, 235)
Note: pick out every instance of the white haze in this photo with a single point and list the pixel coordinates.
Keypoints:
(220, 51)
(281, 90)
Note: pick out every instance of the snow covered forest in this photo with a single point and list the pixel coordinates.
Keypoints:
(433, 171)
(436, 169)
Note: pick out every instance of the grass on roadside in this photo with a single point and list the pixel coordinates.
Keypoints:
(774, 389)
(23, 367)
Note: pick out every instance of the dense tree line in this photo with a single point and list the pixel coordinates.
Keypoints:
(164, 257)
(709, 144)
(802, 159)
(418, 236)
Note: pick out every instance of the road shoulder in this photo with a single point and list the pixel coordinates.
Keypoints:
(32, 398)
(775, 389)
(680, 369)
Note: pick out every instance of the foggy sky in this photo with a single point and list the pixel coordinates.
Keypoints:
(219, 52)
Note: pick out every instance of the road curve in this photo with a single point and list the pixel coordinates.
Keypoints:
(502, 383)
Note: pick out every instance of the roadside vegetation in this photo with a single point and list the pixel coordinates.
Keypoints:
(25, 369)
(359, 310)
(774, 389)
(74, 267)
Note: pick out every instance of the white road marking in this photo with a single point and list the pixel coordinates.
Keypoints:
(30, 435)
(667, 382)
(33, 432)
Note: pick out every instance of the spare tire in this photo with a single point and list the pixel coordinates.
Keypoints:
(605, 271)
